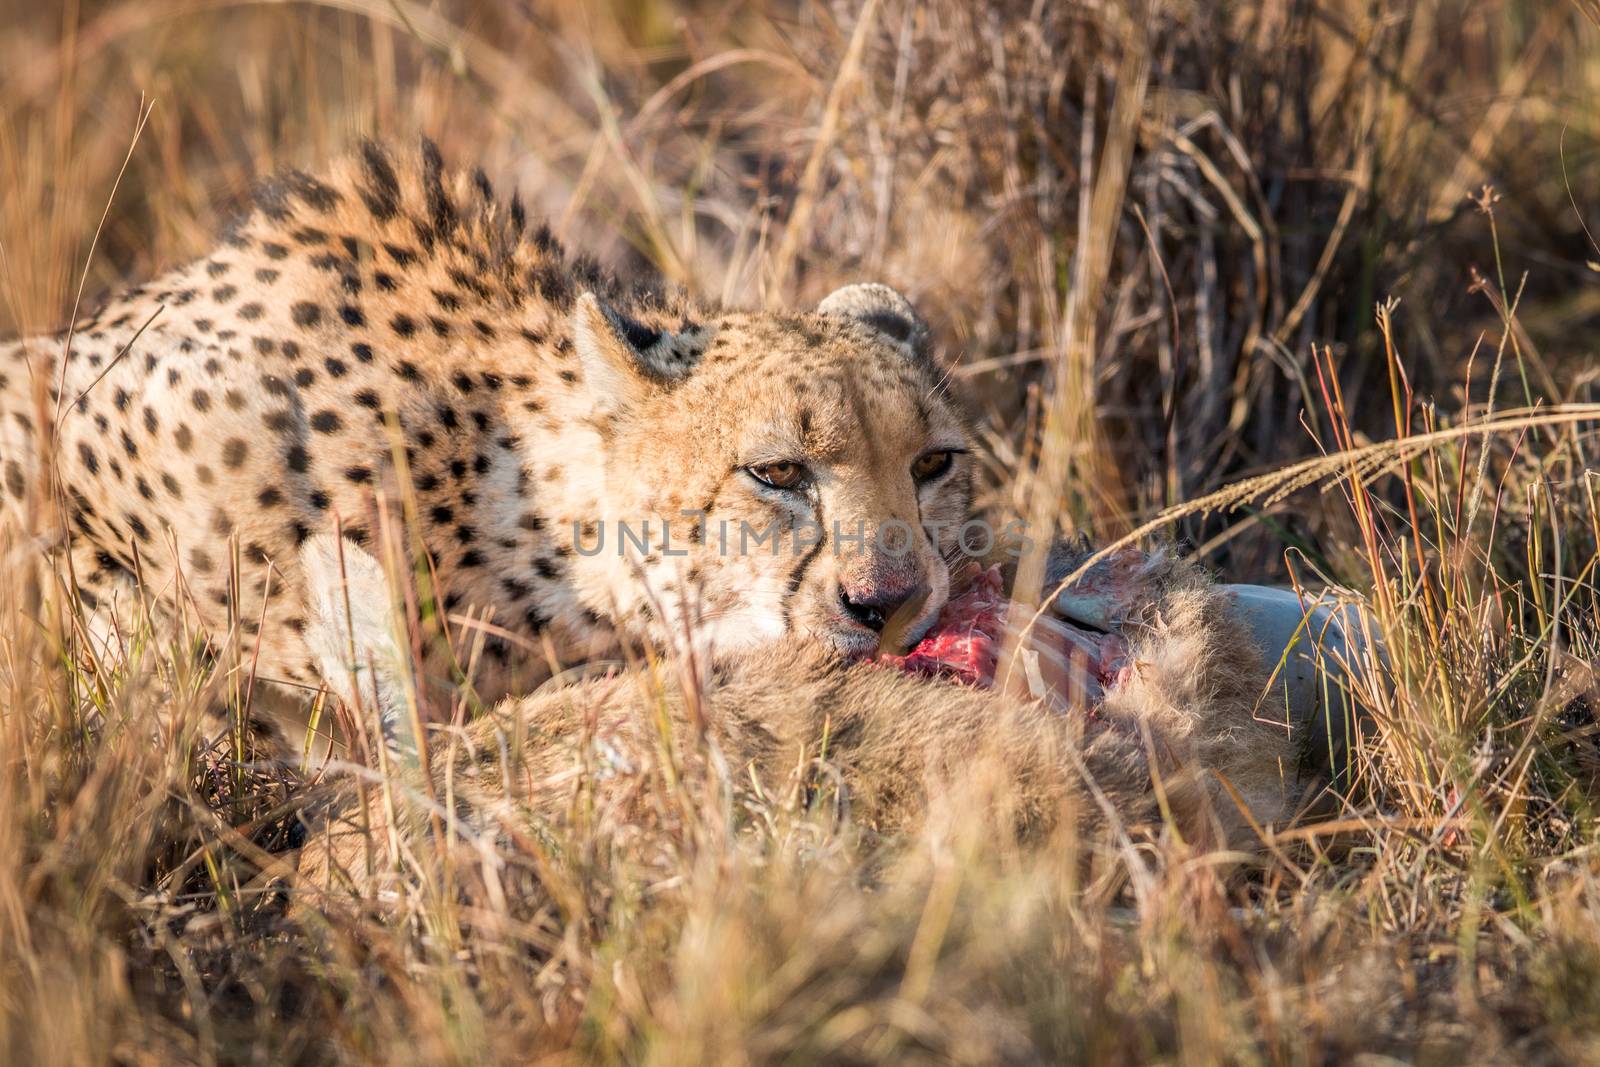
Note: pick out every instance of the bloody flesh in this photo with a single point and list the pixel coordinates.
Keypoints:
(1068, 665)
(964, 644)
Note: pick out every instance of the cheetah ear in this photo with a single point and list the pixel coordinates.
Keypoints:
(623, 359)
(882, 308)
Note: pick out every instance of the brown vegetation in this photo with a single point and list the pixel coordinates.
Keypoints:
(1161, 245)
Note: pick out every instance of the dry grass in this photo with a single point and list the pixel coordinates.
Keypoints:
(1152, 237)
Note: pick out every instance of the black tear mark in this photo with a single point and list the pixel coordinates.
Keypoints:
(798, 575)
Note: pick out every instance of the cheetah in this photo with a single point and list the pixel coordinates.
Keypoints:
(575, 459)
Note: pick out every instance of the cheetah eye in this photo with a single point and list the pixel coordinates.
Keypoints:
(930, 465)
(785, 474)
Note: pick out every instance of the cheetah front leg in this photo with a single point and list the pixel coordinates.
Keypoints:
(357, 638)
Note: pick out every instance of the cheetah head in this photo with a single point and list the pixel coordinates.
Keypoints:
(797, 474)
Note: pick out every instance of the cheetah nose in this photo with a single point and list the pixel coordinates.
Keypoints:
(883, 608)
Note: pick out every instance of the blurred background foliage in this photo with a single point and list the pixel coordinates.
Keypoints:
(1145, 214)
(1159, 242)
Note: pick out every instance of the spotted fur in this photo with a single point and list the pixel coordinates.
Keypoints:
(395, 331)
